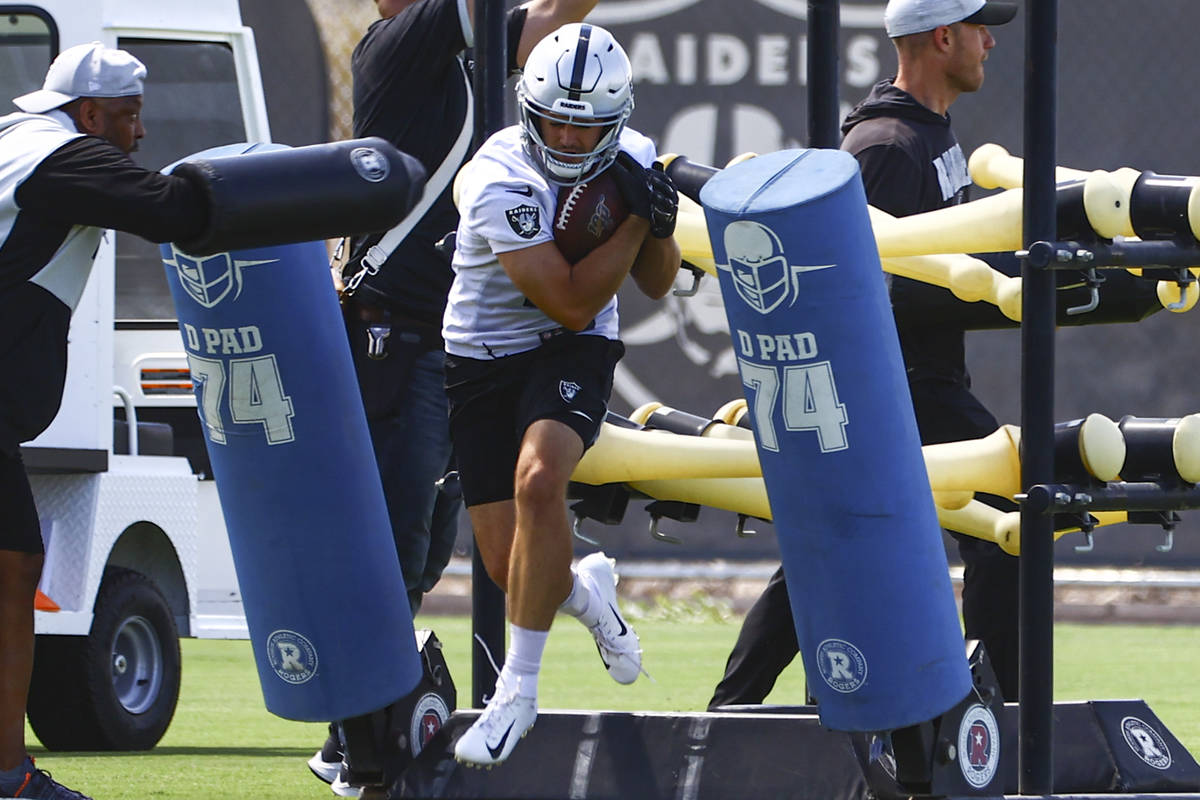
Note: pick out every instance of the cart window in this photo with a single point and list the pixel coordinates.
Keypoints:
(28, 43)
(192, 104)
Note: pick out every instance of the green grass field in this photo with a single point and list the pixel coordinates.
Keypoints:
(224, 743)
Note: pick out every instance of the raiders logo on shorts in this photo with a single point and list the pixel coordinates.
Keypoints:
(568, 390)
(525, 221)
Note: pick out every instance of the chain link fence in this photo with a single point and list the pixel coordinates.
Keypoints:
(341, 24)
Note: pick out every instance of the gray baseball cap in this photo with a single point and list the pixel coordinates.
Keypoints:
(905, 17)
(85, 70)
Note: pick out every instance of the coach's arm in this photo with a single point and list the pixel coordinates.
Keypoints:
(543, 17)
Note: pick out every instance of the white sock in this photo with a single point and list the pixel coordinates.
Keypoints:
(578, 600)
(524, 659)
(582, 604)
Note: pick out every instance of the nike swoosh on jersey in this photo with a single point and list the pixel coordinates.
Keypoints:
(495, 751)
(525, 190)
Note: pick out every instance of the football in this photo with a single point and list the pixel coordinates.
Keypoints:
(586, 216)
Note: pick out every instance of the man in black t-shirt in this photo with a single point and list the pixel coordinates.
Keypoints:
(911, 162)
(65, 176)
(412, 88)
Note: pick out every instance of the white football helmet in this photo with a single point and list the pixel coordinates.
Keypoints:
(579, 74)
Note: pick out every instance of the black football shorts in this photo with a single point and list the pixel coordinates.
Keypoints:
(19, 528)
(492, 402)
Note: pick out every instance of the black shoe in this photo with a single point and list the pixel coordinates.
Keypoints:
(36, 784)
(328, 760)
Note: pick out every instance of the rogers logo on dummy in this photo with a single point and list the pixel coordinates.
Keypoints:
(978, 746)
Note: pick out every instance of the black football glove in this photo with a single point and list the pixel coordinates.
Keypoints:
(631, 182)
(664, 202)
(649, 193)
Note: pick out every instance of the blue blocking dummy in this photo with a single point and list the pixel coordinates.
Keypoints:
(820, 362)
(284, 424)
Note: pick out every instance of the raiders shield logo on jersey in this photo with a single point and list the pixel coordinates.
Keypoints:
(525, 221)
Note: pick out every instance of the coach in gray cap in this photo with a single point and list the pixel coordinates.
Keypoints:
(65, 176)
(98, 87)
(86, 70)
(906, 17)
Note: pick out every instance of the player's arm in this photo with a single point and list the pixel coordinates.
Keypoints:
(570, 295)
(543, 17)
(655, 267)
(651, 195)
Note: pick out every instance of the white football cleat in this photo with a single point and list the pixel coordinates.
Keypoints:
(506, 719)
(619, 647)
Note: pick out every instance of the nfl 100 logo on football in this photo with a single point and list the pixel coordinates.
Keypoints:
(209, 280)
(978, 745)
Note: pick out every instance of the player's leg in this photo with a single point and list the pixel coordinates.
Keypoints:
(540, 564)
(512, 708)
(483, 397)
(483, 401)
(538, 578)
(571, 384)
(493, 525)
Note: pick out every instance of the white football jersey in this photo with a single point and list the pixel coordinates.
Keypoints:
(506, 204)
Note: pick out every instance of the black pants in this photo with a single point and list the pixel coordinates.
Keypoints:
(766, 644)
(33, 363)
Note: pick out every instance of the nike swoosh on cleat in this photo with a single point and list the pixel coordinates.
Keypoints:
(603, 660)
(499, 748)
(620, 621)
